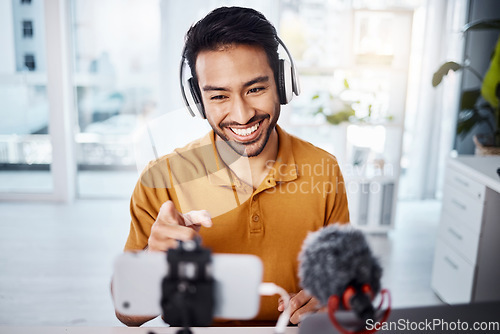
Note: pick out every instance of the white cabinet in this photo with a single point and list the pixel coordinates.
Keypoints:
(452, 275)
(468, 245)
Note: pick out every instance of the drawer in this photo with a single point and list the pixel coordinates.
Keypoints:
(464, 184)
(463, 207)
(464, 240)
(452, 276)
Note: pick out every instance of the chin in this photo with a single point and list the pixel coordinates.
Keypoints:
(254, 148)
(246, 150)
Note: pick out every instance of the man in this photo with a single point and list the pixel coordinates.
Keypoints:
(259, 189)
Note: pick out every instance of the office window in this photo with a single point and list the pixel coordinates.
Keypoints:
(25, 137)
(116, 88)
(27, 29)
(29, 61)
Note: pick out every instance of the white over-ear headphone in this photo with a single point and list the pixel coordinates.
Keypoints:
(287, 85)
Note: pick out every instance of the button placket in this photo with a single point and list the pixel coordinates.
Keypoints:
(255, 216)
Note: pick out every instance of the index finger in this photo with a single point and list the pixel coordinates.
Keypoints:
(299, 300)
(169, 215)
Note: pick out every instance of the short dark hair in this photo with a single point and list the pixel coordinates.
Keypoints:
(232, 25)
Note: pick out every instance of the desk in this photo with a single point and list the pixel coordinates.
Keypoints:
(432, 319)
(140, 330)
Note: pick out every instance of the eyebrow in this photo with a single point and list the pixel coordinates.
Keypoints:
(263, 78)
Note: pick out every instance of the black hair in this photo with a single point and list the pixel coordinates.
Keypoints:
(232, 25)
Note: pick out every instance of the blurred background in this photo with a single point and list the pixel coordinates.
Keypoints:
(368, 62)
(89, 90)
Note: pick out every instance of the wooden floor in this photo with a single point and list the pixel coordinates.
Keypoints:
(56, 260)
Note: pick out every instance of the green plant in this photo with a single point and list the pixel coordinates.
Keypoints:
(479, 105)
(343, 110)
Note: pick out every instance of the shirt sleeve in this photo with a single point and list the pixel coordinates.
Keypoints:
(150, 192)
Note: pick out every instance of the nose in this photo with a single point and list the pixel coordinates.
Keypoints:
(241, 111)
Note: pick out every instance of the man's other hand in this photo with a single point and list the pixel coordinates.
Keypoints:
(300, 304)
(171, 226)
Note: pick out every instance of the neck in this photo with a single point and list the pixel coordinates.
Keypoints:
(251, 170)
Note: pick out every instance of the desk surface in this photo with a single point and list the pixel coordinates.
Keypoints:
(141, 330)
(425, 319)
(482, 169)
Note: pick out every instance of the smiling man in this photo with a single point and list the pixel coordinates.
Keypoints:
(247, 186)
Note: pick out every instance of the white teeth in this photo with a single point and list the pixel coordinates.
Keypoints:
(247, 131)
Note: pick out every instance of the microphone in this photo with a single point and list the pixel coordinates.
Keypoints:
(336, 265)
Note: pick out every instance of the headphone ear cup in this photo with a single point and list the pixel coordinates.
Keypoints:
(196, 103)
(285, 84)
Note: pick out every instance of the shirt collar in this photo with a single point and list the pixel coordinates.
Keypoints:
(284, 168)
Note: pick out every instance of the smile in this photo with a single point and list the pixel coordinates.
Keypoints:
(247, 131)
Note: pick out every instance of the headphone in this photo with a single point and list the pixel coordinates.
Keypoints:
(287, 85)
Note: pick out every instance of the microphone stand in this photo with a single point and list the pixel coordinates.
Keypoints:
(188, 288)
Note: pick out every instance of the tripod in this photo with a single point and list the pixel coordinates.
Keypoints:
(188, 288)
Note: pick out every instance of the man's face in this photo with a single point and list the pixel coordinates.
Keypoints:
(239, 96)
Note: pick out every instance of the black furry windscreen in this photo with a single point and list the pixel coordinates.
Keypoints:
(334, 258)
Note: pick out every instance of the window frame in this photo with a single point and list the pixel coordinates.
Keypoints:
(61, 107)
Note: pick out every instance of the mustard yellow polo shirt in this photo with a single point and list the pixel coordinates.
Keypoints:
(303, 192)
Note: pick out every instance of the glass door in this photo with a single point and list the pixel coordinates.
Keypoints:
(116, 47)
(25, 146)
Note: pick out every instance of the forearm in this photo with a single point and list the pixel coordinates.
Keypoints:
(133, 321)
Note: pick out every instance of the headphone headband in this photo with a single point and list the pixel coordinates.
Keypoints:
(181, 80)
(295, 75)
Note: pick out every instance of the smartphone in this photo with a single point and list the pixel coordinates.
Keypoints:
(138, 276)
